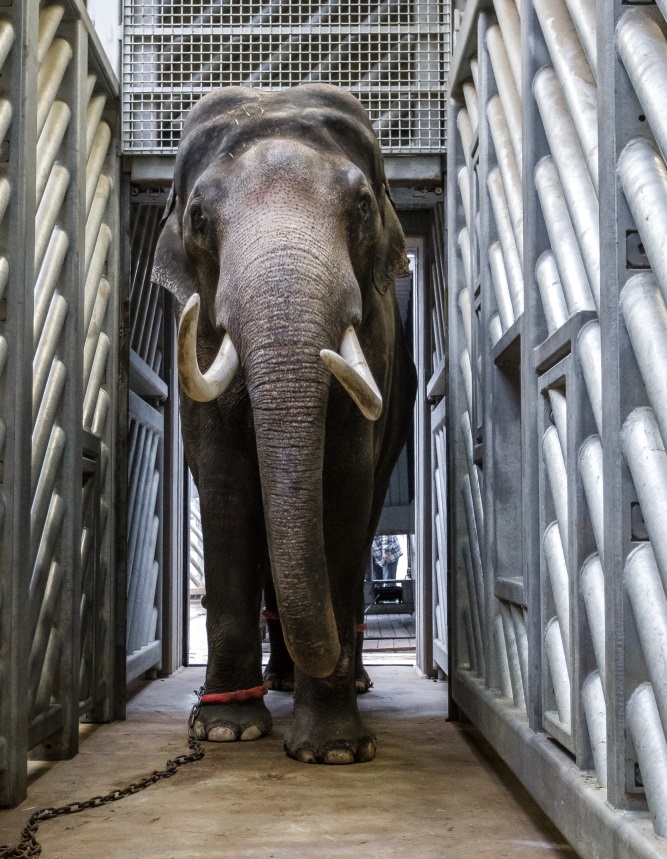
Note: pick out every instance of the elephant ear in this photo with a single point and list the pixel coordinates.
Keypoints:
(171, 267)
(391, 260)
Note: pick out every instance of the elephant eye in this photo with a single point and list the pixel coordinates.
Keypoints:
(197, 217)
(364, 204)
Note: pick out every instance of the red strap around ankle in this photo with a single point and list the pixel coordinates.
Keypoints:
(235, 697)
(270, 615)
(360, 627)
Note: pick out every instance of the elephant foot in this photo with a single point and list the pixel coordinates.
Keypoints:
(227, 723)
(362, 681)
(279, 681)
(330, 741)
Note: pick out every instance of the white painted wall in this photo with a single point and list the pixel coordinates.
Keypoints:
(107, 16)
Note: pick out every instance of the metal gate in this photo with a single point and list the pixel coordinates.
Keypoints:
(557, 197)
(59, 314)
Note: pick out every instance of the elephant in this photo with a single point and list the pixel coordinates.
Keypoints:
(281, 244)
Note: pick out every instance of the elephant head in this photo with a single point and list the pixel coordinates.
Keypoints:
(280, 240)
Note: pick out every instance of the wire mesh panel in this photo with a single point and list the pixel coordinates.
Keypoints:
(68, 220)
(390, 54)
(558, 343)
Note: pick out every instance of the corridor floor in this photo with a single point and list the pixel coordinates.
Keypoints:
(435, 789)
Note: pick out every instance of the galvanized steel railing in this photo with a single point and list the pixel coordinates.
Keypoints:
(558, 474)
(59, 214)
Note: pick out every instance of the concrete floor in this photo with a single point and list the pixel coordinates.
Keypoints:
(434, 790)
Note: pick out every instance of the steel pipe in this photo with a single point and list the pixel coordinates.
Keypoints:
(502, 662)
(49, 143)
(464, 245)
(507, 89)
(591, 584)
(48, 345)
(521, 637)
(560, 584)
(136, 443)
(649, 609)
(473, 474)
(50, 672)
(583, 16)
(144, 597)
(47, 548)
(47, 612)
(6, 113)
(643, 176)
(644, 452)
(98, 154)
(4, 275)
(512, 656)
(49, 210)
(48, 279)
(580, 196)
(558, 403)
(44, 490)
(155, 336)
(139, 513)
(466, 316)
(478, 652)
(474, 71)
(46, 416)
(595, 710)
(510, 27)
(4, 348)
(508, 168)
(501, 286)
(464, 190)
(101, 414)
(562, 238)
(643, 50)
(495, 329)
(49, 21)
(49, 78)
(95, 273)
(474, 543)
(464, 614)
(5, 196)
(558, 668)
(466, 372)
(140, 568)
(95, 381)
(551, 292)
(94, 329)
(645, 317)
(590, 468)
(649, 740)
(590, 356)
(574, 75)
(7, 38)
(554, 462)
(465, 130)
(472, 104)
(506, 237)
(96, 105)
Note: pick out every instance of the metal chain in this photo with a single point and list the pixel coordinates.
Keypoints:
(28, 847)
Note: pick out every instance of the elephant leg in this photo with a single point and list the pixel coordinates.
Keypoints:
(362, 680)
(279, 672)
(234, 546)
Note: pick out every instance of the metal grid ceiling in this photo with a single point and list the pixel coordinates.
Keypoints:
(392, 55)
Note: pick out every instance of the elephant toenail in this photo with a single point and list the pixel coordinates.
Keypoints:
(306, 756)
(200, 731)
(367, 751)
(339, 756)
(220, 734)
(252, 732)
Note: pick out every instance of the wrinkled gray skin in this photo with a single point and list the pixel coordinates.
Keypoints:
(280, 219)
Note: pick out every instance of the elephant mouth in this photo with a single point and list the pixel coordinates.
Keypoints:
(348, 365)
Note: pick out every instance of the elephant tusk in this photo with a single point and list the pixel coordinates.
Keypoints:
(214, 382)
(350, 368)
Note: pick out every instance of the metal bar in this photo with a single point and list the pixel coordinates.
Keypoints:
(95, 272)
(495, 329)
(48, 279)
(464, 244)
(649, 740)
(46, 418)
(93, 334)
(590, 468)
(46, 350)
(510, 27)
(554, 461)
(95, 381)
(644, 312)
(101, 414)
(96, 215)
(590, 355)
(49, 21)
(562, 238)
(643, 48)
(96, 160)
(591, 583)
(511, 648)
(141, 569)
(507, 90)
(44, 490)
(49, 210)
(466, 316)
(466, 371)
(502, 660)
(49, 143)
(464, 188)
(44, 629)
(643, 176)
(574, 75)
(473, 474)
(595, 709)
(472, 104)
(96, 105)
(644, 452)
(501, 286)
(521, 637)
(560, 585)
(558, 669)
(40, 572)
(649, 609)
(507, 242)
(558, 403)
(50, 77)
(508, 168)
(583, 16)
(465, 130)
(580, 195)
(474, 547)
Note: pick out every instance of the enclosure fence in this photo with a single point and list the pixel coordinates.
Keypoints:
(557, 196)
(59, 314)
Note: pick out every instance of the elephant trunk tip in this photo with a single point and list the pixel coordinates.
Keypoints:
(317, 655)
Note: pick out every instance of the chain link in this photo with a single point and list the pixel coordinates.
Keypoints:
(28, 847)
